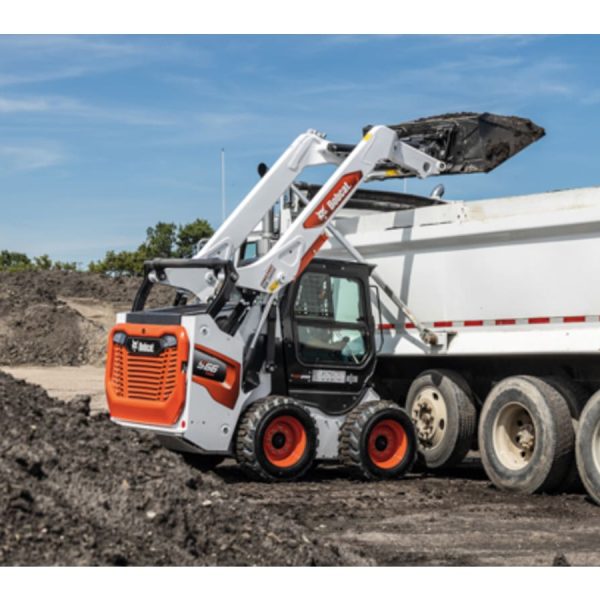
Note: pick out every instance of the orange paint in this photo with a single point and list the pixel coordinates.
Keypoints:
(334, 200)
(312, 252)
(224, 392)
(143, 388)
(396, 444)
(284, 441)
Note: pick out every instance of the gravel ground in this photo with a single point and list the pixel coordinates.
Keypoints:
(77, 490)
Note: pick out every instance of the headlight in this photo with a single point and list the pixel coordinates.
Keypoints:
(119, 338)
(169, 341)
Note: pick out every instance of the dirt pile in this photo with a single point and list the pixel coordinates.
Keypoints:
(60, 318)
(76, 489)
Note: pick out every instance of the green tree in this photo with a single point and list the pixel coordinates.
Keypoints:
(64, 266)
(42, 262)
(189, 235)
(164, 240)
(160, 240)
(14, 261)
(120, 263)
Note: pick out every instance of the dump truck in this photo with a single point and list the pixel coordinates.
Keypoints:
(373, 328)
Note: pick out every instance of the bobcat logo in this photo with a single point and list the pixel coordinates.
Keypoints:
(333, 200)
(144, 347)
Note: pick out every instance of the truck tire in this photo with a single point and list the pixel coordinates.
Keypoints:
(443, 409)
(576, 397)
(378, 441)
(588, 447)
(526, 436)
(276, 440)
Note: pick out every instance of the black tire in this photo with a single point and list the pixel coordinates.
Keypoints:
(203, 462)
(588, 447)
(370, 424)
(526, 436)
(446, 442)
(576, 397)
(263, 427)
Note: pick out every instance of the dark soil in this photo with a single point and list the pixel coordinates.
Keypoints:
(47, 285)
(76, 489)
(38, 327)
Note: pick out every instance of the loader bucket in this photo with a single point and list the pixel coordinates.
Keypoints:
(468, 142)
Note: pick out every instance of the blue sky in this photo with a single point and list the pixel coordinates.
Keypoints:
(101, 137)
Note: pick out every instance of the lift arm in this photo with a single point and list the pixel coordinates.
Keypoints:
(378, 149)
(302, 240)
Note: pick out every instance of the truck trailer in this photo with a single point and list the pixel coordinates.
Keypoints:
(376, 328)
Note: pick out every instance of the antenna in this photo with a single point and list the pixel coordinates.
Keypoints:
(223, 203)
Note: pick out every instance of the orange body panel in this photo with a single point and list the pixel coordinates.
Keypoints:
(333, 200)
(311, 253)
(224, 392)
(143, 388)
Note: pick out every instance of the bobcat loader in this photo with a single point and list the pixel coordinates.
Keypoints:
(338, 323)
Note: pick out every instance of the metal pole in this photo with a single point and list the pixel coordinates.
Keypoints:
(223, 209)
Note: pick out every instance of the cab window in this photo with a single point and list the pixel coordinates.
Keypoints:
(330, 320)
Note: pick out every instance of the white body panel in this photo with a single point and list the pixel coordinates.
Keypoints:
(508, 275)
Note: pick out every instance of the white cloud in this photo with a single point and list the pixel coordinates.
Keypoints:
(15, 105)
(20, 157)
(45, 58)
(72, 107)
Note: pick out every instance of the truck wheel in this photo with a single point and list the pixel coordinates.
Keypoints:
(378, 441)
(588, 447)
(443, 409)
(576, 397)
(276, 439)
(526, 436)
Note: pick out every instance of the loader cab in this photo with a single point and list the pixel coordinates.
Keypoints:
(328, 335)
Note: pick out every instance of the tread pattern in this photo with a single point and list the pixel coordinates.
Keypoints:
(588, 470)
(245, 447)
(549, 471)
(467, 418)
(467, 415)
(350, 454)
(564, 455)
(576, 397)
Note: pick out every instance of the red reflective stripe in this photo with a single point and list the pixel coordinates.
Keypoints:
(473, 323)
(481, 323)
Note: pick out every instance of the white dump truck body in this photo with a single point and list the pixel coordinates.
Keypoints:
(497, 276)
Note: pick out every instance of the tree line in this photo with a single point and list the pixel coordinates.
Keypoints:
(164, 240)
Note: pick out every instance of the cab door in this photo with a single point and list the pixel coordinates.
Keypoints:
(329, 335)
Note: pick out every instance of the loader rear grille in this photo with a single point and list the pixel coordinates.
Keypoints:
(145, 377)
(146, 373)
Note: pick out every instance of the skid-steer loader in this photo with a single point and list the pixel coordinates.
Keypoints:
(268, 353)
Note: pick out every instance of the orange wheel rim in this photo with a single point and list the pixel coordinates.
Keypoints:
(387, 444)
(285, 441)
